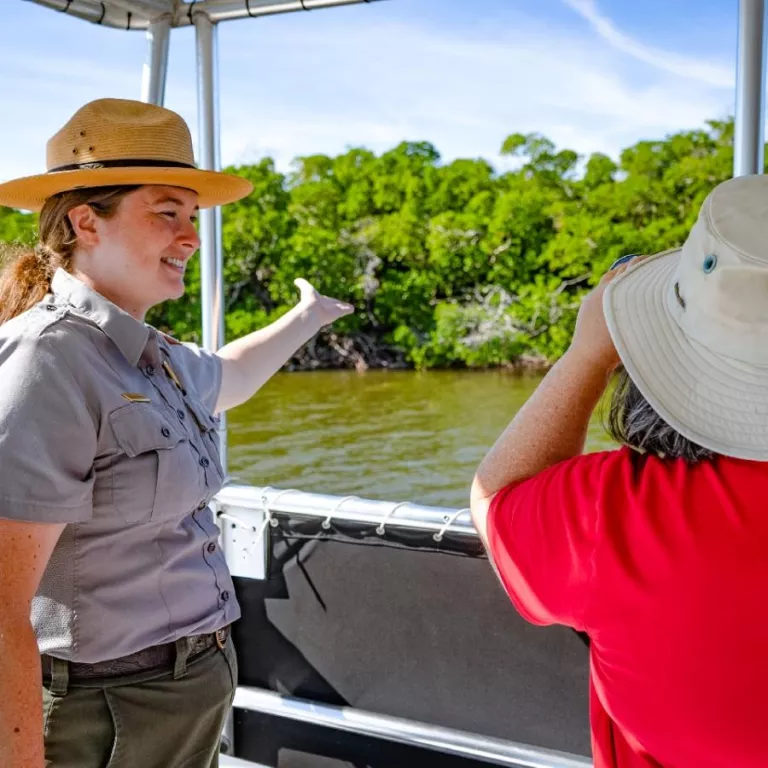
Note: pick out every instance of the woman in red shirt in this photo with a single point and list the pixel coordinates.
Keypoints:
(657, 550)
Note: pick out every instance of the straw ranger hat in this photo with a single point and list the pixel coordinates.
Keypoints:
(691, 325)
(115, 141)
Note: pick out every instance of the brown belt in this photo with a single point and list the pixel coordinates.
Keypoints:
(156, 656)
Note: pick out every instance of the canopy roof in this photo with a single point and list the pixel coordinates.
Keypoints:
(141, 14)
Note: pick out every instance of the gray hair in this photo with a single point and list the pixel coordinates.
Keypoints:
(633, 422)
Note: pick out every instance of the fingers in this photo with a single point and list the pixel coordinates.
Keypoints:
(310, 294)
(614, 273)
(619, 270)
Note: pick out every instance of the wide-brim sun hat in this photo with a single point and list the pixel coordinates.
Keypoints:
(691, 324)
(112, 142)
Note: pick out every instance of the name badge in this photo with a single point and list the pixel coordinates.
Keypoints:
(135, 397)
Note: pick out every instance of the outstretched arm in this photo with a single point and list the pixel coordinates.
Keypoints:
(250, 361)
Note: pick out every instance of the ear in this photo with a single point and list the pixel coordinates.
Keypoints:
(84, 223)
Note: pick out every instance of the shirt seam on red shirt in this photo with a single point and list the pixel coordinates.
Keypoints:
(596, 538)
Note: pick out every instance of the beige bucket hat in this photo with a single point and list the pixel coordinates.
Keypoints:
(691, 325)
(117, 141)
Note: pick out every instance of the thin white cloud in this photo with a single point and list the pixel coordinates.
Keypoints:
(465, 95)
(695, 69)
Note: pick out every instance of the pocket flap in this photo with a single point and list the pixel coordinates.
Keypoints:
(140, 427)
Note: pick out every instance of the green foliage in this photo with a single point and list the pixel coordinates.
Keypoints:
(449, 264)
(16, 227)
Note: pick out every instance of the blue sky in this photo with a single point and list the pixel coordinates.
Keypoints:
(593, 75)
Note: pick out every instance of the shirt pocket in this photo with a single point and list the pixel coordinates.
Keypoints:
(157, 475)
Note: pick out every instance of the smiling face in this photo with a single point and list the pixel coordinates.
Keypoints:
(137, 257)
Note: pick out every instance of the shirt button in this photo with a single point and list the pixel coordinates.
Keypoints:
(180, 414)
(150, 369)
(201, 506)
(50, 307)
(225, 595)
(212, 547)
(166, 432)
(204, 462)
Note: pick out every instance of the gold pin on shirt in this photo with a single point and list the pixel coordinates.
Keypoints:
(135, 397)
(172, 374)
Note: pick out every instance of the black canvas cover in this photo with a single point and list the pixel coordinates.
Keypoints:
(399, 625)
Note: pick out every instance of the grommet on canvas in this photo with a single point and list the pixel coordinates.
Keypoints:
(438, 537)
(326, 524)
(710, 262)
(380, 526)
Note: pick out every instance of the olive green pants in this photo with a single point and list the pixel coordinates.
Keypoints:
(165, 719)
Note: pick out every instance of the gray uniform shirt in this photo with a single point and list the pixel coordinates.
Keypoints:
(95, 432)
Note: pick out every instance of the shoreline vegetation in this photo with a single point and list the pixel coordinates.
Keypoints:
(448, 264)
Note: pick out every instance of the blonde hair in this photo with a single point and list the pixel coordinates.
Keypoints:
(26, 273)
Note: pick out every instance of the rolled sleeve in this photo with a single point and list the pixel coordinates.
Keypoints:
(542, 536)
(48, 437)
(201, 368)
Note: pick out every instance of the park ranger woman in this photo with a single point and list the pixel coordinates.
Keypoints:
(115, 600)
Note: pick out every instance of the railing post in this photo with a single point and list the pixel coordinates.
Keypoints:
(211, 257)
(749, 141)
(156, 65)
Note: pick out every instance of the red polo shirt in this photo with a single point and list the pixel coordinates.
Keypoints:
(665, 566)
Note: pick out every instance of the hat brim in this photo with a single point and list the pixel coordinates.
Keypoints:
(715, 401)
(213, 187)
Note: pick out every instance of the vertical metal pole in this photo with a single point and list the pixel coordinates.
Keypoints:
(749, 139)
(211, 259)
(156, 65)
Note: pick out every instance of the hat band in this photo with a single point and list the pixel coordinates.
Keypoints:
(126, 163)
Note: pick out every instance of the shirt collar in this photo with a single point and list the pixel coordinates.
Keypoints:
(128, 334)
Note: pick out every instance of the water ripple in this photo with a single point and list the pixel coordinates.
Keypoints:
(401, 436)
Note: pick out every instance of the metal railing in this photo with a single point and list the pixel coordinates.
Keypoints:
(245, 512)
(412, 733)
(225, 761)
(349, 509)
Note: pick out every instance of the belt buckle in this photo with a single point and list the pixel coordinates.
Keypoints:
(221, 638)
